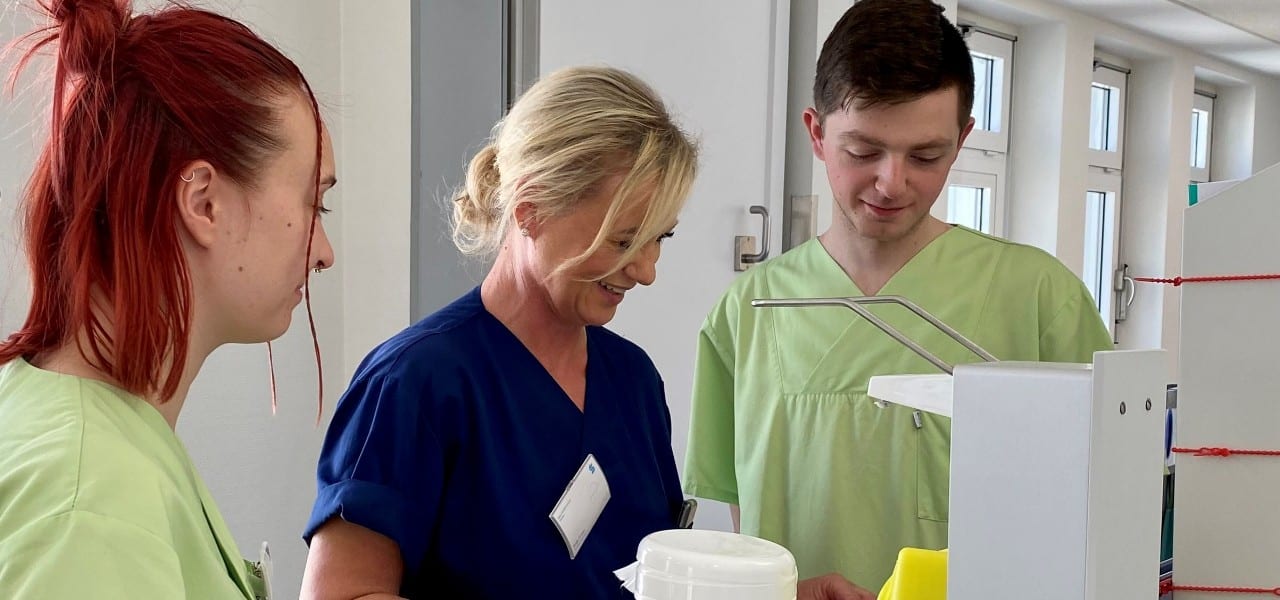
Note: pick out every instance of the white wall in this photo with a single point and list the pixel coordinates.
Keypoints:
(460, 48)
(1266, 137)
(1231, 156)
(23, 123)
(1156, 176)
(377, 173)
(1048, 132)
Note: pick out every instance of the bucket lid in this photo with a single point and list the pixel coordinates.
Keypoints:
(715, 557)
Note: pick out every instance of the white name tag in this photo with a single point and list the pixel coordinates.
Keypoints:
(264, 559)
(581, 504)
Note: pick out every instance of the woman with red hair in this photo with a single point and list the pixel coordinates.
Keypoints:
(173, 209)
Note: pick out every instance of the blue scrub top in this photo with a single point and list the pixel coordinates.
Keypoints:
(456, 443)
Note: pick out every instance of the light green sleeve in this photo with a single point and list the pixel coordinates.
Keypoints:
(79, 554)
(709, 463)
(1075, 331)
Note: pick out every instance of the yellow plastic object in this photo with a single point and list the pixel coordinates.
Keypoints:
(919, 575)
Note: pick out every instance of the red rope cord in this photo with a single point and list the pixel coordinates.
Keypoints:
(1177, 281)
(1225, 452)
(1167, 586)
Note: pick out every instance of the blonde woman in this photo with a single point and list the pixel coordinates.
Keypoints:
(469, 456)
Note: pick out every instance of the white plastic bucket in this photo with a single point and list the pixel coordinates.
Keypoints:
(692, 564)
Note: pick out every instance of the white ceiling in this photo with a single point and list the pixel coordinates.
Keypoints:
(1259, 17)
(1242, 32)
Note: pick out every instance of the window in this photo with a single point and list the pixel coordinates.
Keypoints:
(985, 112)
(992, 55)
(969, 206)
(1102, 248)
(1102, 242)
(1106, 115)
(1096, 262)
(974, 196)
(971, 200)
(1201, 136)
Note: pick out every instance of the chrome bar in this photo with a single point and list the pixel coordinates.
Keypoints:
(856, 305)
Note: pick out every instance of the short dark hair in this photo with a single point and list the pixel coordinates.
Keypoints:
(890, 52)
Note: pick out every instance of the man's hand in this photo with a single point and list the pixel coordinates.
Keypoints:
(831, 586)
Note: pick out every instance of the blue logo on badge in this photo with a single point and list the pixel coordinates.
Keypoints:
(591, 468)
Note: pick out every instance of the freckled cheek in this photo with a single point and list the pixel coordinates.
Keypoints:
(850, 182)
(850, 172)
(296, 229)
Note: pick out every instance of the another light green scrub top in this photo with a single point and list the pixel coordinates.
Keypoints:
(98, 499)
(782, 424)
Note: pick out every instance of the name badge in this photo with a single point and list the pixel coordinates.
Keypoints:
(581, 504)
(264, 563)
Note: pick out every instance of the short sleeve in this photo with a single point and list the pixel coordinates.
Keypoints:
(709, 462)
(1075, 330)
(382, 466)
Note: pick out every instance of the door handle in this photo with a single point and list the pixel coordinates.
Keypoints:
(744, 246)
(1124, 283)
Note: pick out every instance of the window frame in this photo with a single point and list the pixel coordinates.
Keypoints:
(1000, 49)
(979, 168)
(1203, 103)
(989, 183)
(1116, 80)
(1099, 272)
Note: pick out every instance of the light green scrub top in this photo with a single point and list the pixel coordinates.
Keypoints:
(782, 424)
(98, 499)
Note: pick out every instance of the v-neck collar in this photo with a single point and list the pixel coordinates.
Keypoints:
(588, 399)
(826, 261)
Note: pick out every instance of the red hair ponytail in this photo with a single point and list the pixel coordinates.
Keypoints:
(135, 99)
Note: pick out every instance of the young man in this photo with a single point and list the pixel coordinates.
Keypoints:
(782, 426)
